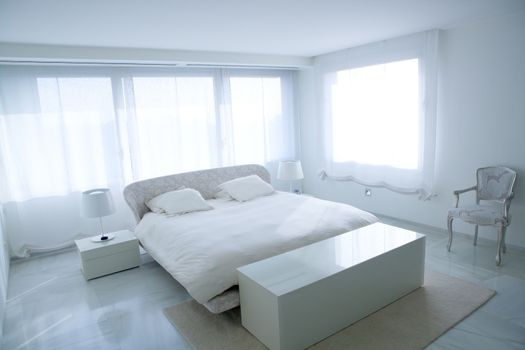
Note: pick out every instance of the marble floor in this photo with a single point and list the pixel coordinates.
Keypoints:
(51, 306)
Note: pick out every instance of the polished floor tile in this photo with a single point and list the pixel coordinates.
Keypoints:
(51, 306)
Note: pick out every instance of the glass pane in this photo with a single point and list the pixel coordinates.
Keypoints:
(175, 124)
(256, 118)
(60, 148)
(375, 113)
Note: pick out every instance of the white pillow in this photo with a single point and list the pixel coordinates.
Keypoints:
(176, 202)
(151, 204)
(246, 188)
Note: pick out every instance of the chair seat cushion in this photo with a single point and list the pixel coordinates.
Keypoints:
(479, 214)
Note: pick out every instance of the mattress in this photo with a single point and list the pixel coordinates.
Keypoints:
(202, 250)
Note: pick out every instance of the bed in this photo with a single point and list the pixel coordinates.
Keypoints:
(202, 250)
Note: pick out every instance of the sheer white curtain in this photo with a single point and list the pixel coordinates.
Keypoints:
(379, 110)
(171, 124)
(57, 138)
(68, 129)
(257, 109)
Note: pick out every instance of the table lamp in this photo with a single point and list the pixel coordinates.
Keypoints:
(290, 170)
(96, 204)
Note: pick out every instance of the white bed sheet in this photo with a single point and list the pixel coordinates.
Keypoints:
(202, 250)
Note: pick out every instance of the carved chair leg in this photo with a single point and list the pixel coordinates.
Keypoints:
(476, 235)
(503, 244)
(449, 225)
(501, 232)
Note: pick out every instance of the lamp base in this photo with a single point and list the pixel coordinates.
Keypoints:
(103, 238)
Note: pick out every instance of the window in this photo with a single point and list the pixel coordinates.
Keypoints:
(256, 111)
(94, 127)
(379, 108)
(375, 115)
(175, 123)
(64, 145)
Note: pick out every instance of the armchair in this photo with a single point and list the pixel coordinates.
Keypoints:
(494, 185)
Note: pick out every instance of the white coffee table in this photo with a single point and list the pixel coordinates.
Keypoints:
(295, 299)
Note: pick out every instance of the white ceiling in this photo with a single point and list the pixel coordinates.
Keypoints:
(278, 27)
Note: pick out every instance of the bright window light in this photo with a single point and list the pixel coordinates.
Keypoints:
(175, 124)
(78, 129)
(375, 115)
(256, 109)
(62, 146)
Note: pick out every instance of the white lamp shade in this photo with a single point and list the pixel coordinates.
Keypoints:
(97, 203)
(290, 170)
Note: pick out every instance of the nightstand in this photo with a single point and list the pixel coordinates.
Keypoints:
(102, 258)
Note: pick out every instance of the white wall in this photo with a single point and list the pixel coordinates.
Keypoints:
(481, 122)
(4, 271)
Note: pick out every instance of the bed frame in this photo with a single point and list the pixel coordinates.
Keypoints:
(204, 181)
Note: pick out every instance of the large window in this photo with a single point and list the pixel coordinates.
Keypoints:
(85, 128)
(379, 106)
(375, 115)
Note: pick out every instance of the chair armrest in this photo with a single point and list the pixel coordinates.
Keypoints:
(458, 192)
(506, 205)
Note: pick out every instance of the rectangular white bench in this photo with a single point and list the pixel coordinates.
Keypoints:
(296, 299)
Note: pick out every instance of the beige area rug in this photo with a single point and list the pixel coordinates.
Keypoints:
(412, 322)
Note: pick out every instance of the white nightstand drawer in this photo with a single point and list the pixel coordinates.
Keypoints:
(102, 258)
(109, 264)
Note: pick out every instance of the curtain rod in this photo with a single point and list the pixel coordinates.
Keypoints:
(140, 64)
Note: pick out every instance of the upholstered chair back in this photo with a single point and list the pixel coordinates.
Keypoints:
(495, 183)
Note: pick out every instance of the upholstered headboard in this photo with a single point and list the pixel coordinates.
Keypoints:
(204, 181)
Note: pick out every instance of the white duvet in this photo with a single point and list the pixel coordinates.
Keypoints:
(202, 250)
